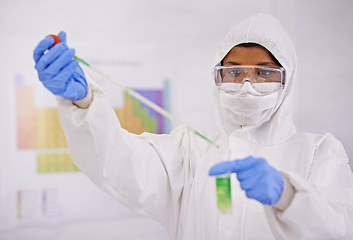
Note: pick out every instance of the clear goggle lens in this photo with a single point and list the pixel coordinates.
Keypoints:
(258, 76)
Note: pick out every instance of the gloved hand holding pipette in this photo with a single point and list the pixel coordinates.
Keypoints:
(57, 69)
(257, 178)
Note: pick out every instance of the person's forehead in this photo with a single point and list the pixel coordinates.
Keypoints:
(239, 50)
(248, 56)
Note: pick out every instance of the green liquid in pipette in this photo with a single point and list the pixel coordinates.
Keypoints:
(81, 61)
(207, 139)
(224, 198)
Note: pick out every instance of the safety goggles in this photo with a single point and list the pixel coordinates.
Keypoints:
(260, 77)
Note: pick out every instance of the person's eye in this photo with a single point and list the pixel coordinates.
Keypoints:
(234, 71)
(265, 72)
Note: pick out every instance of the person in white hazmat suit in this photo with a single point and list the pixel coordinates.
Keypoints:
(288, 185)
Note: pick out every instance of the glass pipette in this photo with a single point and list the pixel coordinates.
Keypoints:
(146, 101)
(137, 96)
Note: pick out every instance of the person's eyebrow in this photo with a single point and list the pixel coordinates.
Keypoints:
(260, 64)
(266, 63)
(232, 63)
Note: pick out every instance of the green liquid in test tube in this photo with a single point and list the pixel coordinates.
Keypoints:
(223, 184)
(223, 189)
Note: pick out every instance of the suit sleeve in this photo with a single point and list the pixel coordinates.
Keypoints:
(322, 206)
(143, 172)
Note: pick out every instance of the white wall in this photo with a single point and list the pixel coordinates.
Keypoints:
(325, 50)
(320, 32)
(184, 36)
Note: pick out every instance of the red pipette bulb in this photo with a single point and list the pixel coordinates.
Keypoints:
(56, 39)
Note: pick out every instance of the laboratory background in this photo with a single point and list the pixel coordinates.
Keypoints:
(164, 50)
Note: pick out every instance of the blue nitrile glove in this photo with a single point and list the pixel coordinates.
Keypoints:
(57, 69)
(257, 178)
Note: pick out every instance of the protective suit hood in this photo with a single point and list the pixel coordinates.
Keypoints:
(266, 31)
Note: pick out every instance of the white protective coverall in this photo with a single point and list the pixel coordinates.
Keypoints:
(165, 177)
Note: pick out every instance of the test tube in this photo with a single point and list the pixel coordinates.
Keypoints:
(223, 189)
(223, 184)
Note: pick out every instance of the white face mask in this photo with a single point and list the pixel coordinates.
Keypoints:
(247, 106)
(256, 89)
